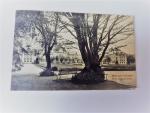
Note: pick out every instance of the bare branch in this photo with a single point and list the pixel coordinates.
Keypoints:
(118, 32)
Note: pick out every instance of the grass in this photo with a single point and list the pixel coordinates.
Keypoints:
(32, 82)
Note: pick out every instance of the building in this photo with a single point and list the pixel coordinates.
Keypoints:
(115, 56)
(30, 56)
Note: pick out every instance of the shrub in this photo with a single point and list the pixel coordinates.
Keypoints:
(54, 68)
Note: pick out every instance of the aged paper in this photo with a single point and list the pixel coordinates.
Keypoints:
(73, 51)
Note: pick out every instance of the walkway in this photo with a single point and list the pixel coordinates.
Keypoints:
(28, 69)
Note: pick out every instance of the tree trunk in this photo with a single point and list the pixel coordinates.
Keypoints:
(48, 61)
(48, 71)
(91, 73)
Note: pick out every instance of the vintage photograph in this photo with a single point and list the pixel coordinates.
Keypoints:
(73, 51)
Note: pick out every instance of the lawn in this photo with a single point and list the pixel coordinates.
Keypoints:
(32, 82)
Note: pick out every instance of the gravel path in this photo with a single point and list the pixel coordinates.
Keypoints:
(28, 69)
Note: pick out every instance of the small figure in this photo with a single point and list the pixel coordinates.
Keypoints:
(37, 60)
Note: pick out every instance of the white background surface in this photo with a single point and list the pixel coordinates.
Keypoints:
(103, 101)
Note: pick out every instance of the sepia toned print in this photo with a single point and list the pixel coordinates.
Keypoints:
(73, 51)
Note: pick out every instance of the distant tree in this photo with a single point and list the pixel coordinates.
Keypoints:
(130, 59)
(95, 34)
(61, 59)
(57, 58)
(108, 59)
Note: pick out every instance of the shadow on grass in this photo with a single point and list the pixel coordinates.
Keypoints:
(66, 84)
(33, 82)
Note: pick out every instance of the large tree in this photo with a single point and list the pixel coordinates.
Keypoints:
(43, 23)
(47, 25)
(95, 33)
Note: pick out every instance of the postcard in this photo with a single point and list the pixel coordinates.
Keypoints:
(73, 51)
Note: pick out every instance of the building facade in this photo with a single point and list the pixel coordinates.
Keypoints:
(115, 56)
